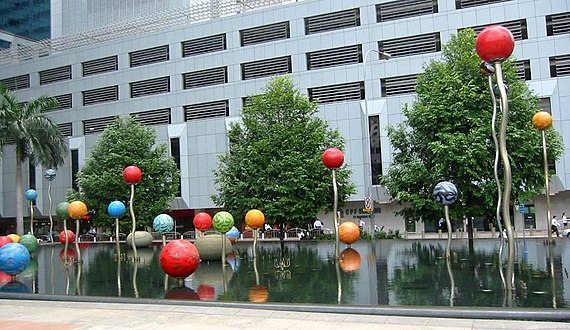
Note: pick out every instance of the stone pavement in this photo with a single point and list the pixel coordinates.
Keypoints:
(44, 315)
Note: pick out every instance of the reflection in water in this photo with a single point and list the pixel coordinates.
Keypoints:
(396, 272)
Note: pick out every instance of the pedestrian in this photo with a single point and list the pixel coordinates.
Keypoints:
(565, 220)
(361, 224)
(555, 225)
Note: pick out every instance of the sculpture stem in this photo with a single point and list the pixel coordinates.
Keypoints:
(335, 207)
(546, 188)
(496, 162)
(49, 212)
(32, 217)
(77, 241)
(448, 223)
(132, 211)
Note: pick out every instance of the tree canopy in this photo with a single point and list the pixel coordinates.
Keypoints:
(127, 142)
(447, 136)
(274, 160)
(35, 137)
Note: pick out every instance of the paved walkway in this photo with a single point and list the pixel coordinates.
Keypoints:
(43, 315)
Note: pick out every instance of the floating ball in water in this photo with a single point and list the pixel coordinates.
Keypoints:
(254, 219)
(202, 221)
(348, 232)
(179, 258)
(445, 193)
(116, 209)
(14, 258)
(70, 237)
(163, 223)
(30, 242)
(223, 221)
(5, 240)
(31, 195)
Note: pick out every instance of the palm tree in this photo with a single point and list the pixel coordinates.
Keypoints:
(35, 136)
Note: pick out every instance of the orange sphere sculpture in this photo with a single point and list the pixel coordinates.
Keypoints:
(349, 260)
(14, 237)
(258, 294)
(542, 120)
(255, 219)
(77, 210)
(348, 232)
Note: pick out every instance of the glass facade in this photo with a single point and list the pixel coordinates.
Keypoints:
(26, 18)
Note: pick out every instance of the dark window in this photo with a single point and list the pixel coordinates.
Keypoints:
(412, 45)
(264, 33)
(337, 93)
(393, 10)
(149, 56)
(459, 4)
(55, 74)
(523, 69)
(18, 82)
(266, 68)
(100, 65)
(559, 65)
(204, 45)
(100, 95)
(375, 148)
(517, 27)
(32, 175)
(398, 85)
(175, 153)
(150, 87)
(332, 21)
(74, 168)
(334, 57)
(206, 110)
(206, 77)
(558, 24)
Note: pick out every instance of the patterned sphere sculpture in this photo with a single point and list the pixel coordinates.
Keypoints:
(542, 120)
(202, 221)
(31, 195)
(49, 174)
(70, 237)
(77, 210)
(445, 193)
(332, 158)
(163, 223)
(5, 240)
(61, 210)
(255, 219)
(14, 237)
(179, 258)
(30, 242)
(494, 44)
(132, 174)
(14, 258)
(348, 232)
(223, 221)
(116, 209)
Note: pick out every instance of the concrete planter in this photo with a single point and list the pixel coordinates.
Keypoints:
(210, 247)
(142, 239)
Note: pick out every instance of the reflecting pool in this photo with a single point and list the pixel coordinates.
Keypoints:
(377, 273)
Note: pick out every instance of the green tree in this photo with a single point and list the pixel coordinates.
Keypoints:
(127, 142)
(274, 160)
(35, 136)
(447, 136)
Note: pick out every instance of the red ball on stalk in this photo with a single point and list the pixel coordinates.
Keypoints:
(132, 174)
(495, 44)
(333, 158)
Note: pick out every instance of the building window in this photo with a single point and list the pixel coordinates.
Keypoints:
(559, 65)
(459, 4)
(175, 153)
(100, 65)
(32, 175)
(413, 45)
(266, 68)
(393, 10)
(204, 45)
(208, 77)
(266, 33)
(398, 85)
(74, 168)
(375, 148)
(214, 109)
(517, 27)
(18, 82)
(523, 69)
(100, 95)
(337, 93)
(334, 57)
(558, 24)
(149, 56)
(54, 75)
(332, 21)
(150, 87)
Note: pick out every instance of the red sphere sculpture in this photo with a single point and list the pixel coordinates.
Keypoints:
(333, 158)
(132, 174)
(70, 237)
(202, 221)
(5, 240)
(179, 258)
(495, 44)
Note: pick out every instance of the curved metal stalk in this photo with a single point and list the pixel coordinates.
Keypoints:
(507, 178)
(448, 223)
(335, 207)
(49, 212)
(31, 217)
(132, 211)
(547, 188)
(77, 241)
(496, 162)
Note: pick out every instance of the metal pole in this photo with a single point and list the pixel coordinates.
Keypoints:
(497, 159)
(134, 221)
(335, 207)
(546, 188)
(448, 223)
(49, 212)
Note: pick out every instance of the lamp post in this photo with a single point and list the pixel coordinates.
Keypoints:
(368, 162)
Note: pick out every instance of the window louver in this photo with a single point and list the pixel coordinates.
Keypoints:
(332, 21)
(100, 65)
(399, 85)
(398, 9)
(518, 28)
(474, 3)
(334, 57)
(100, 95)
(64, 101)
(558, 24)
(408, 46)
(153, 117)
(97, 125)
(264, 33)
(204, 45)
(337, 93)
(559, 66)
(56, 74)
(523, 69)
(18, 82)
(207, 77)
(65, 129)
(206, 110)
(150, 87)
(266, 68)
(149, 56)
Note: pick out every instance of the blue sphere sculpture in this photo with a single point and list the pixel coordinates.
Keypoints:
(49, 174)
(31, 195)
(163, 223)
(445, 193)
(116, 209)
(14, 258)
(234, 232)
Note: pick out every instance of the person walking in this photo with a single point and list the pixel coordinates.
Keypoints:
(554, 226)
(564, 220)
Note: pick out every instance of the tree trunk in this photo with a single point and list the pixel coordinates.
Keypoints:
(19, 196)
(470, 234)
